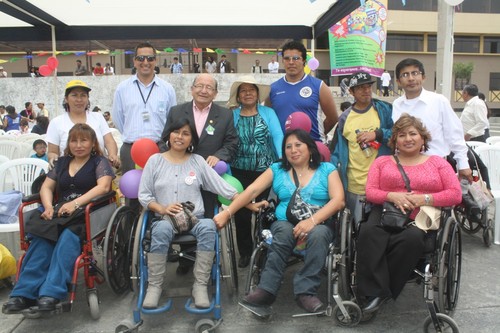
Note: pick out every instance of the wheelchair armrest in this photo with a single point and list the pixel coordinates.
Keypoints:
(103, 198)
(32, 198)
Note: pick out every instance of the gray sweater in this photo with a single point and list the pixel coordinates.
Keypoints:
(166, 183)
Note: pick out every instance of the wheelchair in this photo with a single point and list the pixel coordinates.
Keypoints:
(338, 302)
(105, 229)
(439, 269)
(223, 271)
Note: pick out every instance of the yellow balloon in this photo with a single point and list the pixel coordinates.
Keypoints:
(137, 167)
(307, 70)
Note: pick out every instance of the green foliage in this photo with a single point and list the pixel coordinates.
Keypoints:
(463, 70)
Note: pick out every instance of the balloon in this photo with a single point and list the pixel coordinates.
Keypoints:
(307, 70)
(52, 62)
(313, 63)
(45, 70)
(300, 120)
(137, 167)
(323, 151)
(129, 183)
(234, 183)
(142, 150)
(220, 167)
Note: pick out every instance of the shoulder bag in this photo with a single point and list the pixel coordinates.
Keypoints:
(297, 209)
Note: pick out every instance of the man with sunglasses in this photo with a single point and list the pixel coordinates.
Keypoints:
(436, 113)
(297, 91)
(141, 105)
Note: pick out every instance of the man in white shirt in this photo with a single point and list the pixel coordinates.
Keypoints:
(176, 67)
(386, 82)
(273, 66)
(475, 114)
(435, 112)
(3, 72)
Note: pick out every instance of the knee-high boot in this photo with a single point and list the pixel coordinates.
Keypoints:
(202, 268)
(157, 263)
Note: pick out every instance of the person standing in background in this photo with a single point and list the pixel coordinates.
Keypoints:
(474, 117)
(211, 65)
(3, 73)
(224, 66)
(176, 67)
(273, 66)
(487, 129)
(386, 82)
(257, 68)
(80, 68)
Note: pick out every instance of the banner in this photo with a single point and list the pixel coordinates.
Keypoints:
(357, 42)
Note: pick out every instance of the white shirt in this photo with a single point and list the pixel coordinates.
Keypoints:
(58, 130)
(440, 120)
(211, 67)
(273, 67)
(386, 79)
(474, 117)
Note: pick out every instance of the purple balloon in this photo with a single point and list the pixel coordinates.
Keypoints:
(129, 183)
(220, 167)
(313, 63)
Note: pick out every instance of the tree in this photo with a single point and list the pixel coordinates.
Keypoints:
(462, 73)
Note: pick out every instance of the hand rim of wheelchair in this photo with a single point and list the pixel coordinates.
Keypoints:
(135, 271)
(229, 270)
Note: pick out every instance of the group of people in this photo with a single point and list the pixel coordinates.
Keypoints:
(28, 120)
(193, 137)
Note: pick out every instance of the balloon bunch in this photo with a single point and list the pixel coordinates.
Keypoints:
(140, 152)
(221, 168)
(49, 67)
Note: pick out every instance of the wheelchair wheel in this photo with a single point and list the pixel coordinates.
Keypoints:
(353, 311)
(467, 225)
(228, 259)
(257, 264)
(116, 249)
(93, 301)
(446, 324)
(126, 326)
(488, 233)
(346, 266)
(204, 325)
(450, 265)
(135, 262)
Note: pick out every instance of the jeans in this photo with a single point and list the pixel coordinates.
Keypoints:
(162, 234)
(308, 278)
(47, 267)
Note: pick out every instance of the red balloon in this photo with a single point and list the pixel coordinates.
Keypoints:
(323, 151)
(300, 120)
(142, 150)
(52, 62)
(45, 70)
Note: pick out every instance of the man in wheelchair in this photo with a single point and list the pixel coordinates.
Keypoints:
(386, 257)
(82, 174)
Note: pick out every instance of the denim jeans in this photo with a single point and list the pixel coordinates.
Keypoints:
(308, 278)
(162, 234)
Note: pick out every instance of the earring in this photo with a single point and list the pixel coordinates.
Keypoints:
(422, 150)
(190, 148)
(311, 158)
(396, 151)
(93, 152)
(71, 155)
(167, 143)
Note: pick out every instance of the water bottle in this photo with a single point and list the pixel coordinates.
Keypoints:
(267, 236)
(365, 147)
(464, 184)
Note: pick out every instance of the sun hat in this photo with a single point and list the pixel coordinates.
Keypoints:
(264, 90)
(360, 78)
(77, 84)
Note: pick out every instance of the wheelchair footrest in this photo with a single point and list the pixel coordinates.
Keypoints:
(259, 311)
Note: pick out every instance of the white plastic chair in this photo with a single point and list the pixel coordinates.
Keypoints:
(25, 150)
(475, 144)
(3, 159)
(118, 138)
(492, 140)
(490, 155)
(10, 148)
(30, 137)
(21, 172)
(7, 137)
(2, 132)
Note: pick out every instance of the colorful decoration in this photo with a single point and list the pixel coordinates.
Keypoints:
(129, 183)
(323, 151)
(220, 167)
(313, 63)
(234, 183)
(298, 119)
(45, 70)
(142, 150)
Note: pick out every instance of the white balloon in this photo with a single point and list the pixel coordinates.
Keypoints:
(453, 2)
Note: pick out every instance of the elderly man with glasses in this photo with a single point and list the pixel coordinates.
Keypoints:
(297, 91)
(436, 113)
(141, 105)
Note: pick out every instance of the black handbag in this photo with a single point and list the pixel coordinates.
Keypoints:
(393, 219)
(297, 209)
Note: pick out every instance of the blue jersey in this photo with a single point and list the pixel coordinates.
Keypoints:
(287, 98)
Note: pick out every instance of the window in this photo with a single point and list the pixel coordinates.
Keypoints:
(491, 45)
(494, 81)
(421, 5)
(405, 43)
(431, 43)
(466, 44)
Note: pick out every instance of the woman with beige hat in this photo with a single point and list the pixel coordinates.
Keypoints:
(260, 139)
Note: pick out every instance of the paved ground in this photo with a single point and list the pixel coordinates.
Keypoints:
(478, 309)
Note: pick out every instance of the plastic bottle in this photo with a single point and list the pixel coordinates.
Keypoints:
(267, 236)
(365, 147)
(464, 184)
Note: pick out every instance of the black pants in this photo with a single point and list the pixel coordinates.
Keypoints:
(386, 91)
(243, 218)
(386, 260)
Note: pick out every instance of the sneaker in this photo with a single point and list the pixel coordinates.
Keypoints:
(259, 297)
(310, 303)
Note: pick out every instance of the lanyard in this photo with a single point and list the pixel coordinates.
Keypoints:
(149, 94)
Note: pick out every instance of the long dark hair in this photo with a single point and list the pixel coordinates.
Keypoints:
(179, 123)
(302, 136)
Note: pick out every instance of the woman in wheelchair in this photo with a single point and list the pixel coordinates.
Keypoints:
(80, 175)
(386, 258)
(319, 185)
(169, 179)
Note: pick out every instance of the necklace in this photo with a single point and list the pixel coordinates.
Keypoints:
(302, 172)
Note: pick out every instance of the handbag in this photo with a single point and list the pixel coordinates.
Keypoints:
(478, 190)
(297, 209)
(184, 220)
(393, 219)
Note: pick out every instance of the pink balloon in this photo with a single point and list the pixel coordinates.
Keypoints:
(220, 167)
(300, 120)
(45, 70)
(52, 62)
(129, 183)
(323, 151)
(313, 63)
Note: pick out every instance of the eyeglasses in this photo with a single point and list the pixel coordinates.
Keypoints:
(406, 75)
(142, 57)
(293, 59)
(202, 86)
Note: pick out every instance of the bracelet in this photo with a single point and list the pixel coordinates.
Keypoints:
(229, 212)
(313, 221)
(77, 205)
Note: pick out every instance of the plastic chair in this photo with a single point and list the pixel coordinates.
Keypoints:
(7, 137)
(490, 155)
(118, 138)
(475, 144)
(10, 148)
(492, 140)
(3, 159)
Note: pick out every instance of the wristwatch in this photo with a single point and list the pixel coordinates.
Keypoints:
(77, 205)
(427, 199)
